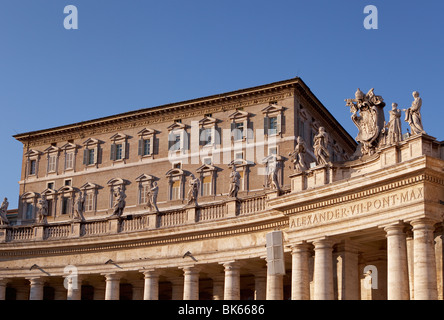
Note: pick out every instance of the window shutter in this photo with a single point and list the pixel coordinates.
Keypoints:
(233, 126)
(202, 136)
(217, 136)
(249, 131)
(124, 149)
(266, 125)
(113, 152)
(171, 141)
(140, 148)
(85, 156)
(96, 155)
(280, 123)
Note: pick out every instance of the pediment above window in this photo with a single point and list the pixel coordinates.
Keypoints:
(207, 121)
(146, 132)
(239, 114)
(91, 142)
(175, 172)
(117, 182)
(119, 136)
(33, 153)
(177, 126)
(206, 167)
(89, 186)
(69, 146)
(145, 177)
(52, 149)
(240, 163)
(272, 108)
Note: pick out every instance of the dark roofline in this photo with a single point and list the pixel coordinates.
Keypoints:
(294, 82)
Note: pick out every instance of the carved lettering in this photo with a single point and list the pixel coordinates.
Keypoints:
(356, 209)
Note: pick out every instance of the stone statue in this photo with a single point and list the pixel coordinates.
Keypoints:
(234, 182)
(273, 182)
(193, 191)
(299, 155)
(394, 130)
(42, 213)
(368, 116)
(3, 211)
(320, 147)
(152, 197)
(119, 202)
(413, 115)
(79, 207)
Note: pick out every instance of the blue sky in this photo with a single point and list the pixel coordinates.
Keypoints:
(128, 55)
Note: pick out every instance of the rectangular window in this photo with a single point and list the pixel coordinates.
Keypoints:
(66, 204)
(89, 202)
(238, 132)
(143, 191)
(175, 190)
(29, 209)
(68, 182)
(32, 166)
(206, 137)
(206, 186)
(91, 156)
(50, 185)
(52, 163)
(241, 180)
(119, 150)
(69, 160)
(273, 125)
(146, 147)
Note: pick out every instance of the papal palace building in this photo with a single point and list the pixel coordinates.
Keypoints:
(253, 194)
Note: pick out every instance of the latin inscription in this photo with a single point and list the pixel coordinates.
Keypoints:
(360, 208)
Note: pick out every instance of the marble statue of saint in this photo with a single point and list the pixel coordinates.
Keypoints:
(119, 202)
(3, 211)
(193, 190)
(273, 182)
(43, 210)
(320, 147)
(299, 155)
(413, 115)
(152, 197)
(394, 134)
(234, 183)
(79, 207)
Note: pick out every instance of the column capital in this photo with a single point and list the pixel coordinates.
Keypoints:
(231, 265)
(395, 228)
(112, 276)
(300, 247)
(423, 223)
(36, 280)
(150, 273)
(190, 269)
(323, 243)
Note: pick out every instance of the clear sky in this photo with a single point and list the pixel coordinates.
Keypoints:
(128, 55)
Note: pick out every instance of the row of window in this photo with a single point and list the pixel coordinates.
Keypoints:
(177, 140)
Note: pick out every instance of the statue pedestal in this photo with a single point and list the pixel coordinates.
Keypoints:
(232, 207)
(152, 220)
(3, 233)
(298, 181)
(191, 214)
(317, 176)
(75, 229)
(114, 224)
(39, 231)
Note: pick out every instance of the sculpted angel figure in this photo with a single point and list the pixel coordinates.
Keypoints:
(299, 155)
(320, 147)
(413, 115)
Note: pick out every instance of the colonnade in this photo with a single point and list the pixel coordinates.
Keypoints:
(335, 272)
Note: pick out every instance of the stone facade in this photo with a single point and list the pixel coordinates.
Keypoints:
(367, 227)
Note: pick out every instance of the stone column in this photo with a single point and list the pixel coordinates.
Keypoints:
(397, 272)
(191, 283)
(218, 287)
(232, 281)
(410, 263)
(275, 287)
(347, 271)
(424, 257)
(3, 283)
(112, 291)
(439, 256)
(73, 285)
(323, 270)
(151, 291)
(36, 288)
(300, 279)
(177, 288)
(260, 285)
